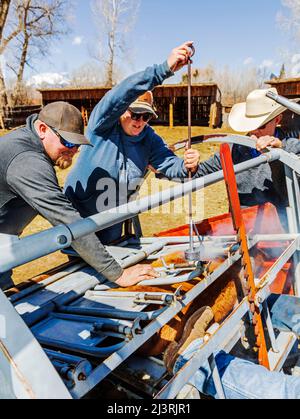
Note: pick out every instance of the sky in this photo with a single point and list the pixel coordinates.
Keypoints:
(230, 33)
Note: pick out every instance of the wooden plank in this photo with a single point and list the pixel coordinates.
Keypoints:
(288, 87)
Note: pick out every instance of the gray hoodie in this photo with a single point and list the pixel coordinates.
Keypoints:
(29, 186)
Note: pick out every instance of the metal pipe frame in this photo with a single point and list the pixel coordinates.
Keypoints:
(21, 251)
(218, 340)
(280, 347)
(119, 356)
(111, 313)
(292, 106)
(110, 364)
(17, 252)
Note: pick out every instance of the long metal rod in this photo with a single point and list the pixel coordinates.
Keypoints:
(191, 223)
(25, 250)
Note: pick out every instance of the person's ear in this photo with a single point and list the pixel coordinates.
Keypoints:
(41, 129)
(279, 119)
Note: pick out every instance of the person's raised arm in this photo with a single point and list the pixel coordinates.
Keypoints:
(115, 103)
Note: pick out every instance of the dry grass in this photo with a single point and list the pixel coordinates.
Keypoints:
(214, 198)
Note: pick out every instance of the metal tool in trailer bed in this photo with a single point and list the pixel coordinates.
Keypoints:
(72, 329)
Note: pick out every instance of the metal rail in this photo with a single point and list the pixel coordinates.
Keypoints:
(292, 106)
(16, 252)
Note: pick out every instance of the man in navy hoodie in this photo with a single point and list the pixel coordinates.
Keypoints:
(108, 175)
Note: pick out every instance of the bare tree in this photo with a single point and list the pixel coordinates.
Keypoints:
(114, 19)
(234, 85)
(42, 22)
(9, 29)
(201, 75)
(4, 8)
(88, 75)
(289, 21)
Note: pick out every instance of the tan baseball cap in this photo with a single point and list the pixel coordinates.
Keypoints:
(67, 120)
(144, 104)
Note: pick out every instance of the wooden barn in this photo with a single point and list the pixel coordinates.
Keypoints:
(16, 116)
(289, 88)
(170, 102)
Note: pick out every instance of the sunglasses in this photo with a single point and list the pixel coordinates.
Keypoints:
(64, 142)
(146, 117)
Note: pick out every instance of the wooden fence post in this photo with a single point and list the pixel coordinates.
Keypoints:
(171, 119)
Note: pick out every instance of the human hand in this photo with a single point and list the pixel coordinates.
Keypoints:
(266, 141)
(179, 56)
(191, 160)
(136, 274)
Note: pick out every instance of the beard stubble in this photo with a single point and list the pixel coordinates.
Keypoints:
(64, 162)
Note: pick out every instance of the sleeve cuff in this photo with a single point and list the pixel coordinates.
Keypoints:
(112, 272)
(291, 145)
(166, 69)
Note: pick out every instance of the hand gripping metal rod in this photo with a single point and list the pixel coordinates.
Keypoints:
(292, 106)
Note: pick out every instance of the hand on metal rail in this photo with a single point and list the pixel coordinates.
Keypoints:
(136, 274)
(267, 141)
(180, 56)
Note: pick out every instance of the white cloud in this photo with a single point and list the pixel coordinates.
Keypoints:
(266, 64)
(45, 80)
(248, 61)
(295, 68)
(295, 58)
(77, 40)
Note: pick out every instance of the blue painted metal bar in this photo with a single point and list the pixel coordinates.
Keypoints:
(101, 353)
(111, 313)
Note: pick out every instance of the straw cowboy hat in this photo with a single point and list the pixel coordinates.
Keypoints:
(255, 112)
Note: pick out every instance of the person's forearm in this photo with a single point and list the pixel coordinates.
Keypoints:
(51, 203)
(95, 254)
(291, 145)
(209, 166)
(89, 248)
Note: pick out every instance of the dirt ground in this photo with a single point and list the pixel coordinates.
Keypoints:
(212, 201)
